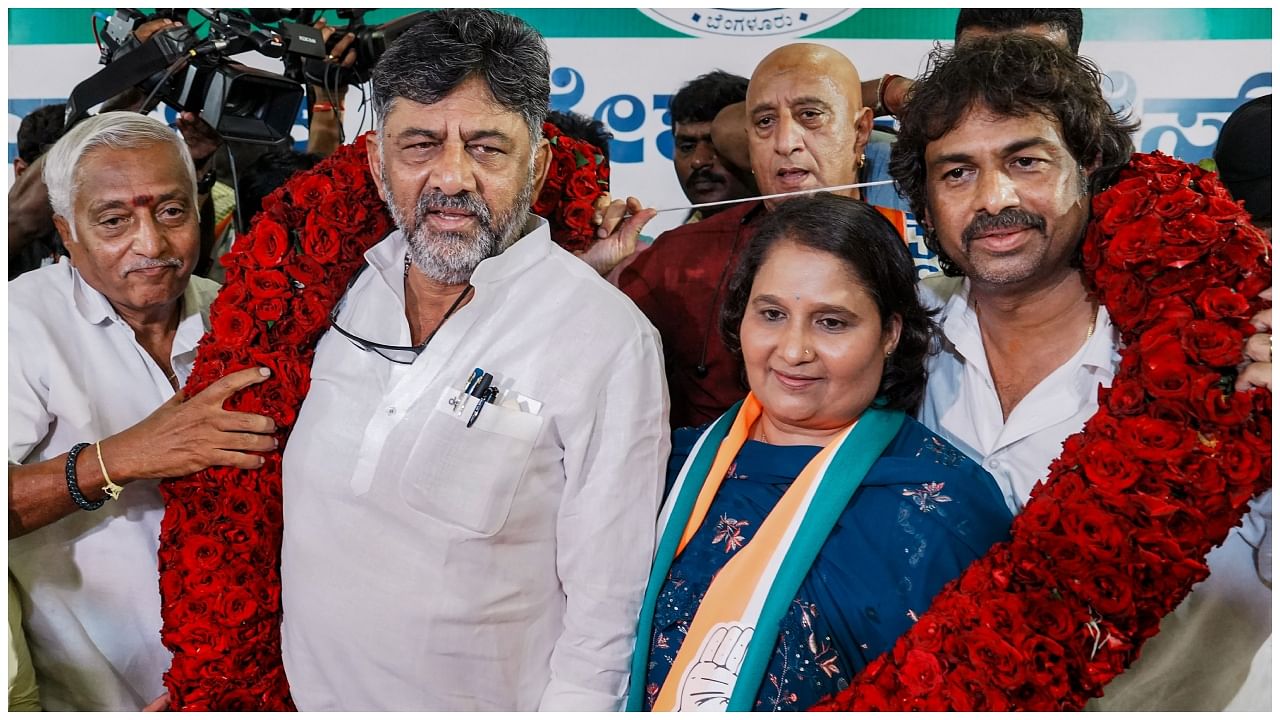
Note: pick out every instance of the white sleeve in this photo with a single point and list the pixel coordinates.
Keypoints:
(1256, 531)
(29, 416)
(605, 530)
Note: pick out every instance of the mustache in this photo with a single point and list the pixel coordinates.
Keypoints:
(148, 263)
(1008, 218)
(465, 201)
(706, 173)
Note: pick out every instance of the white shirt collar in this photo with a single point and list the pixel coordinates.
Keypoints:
(960, 328)
(96, 309)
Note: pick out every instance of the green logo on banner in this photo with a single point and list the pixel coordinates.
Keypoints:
(726, 22)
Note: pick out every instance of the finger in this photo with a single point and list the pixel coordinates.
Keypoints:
(726, 645)
(612, 216)
(230, 384)
(1258, 348)
(713, 642)
(349, 59)
(246, 442)
(1262, 321)
(244, 422)
(230, 458)
(160, 704)
(739, 650)
(636, 222)
(601, 204)
(343, 45)
(1255, 375)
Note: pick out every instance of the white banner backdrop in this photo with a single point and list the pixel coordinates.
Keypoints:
(1182, 90)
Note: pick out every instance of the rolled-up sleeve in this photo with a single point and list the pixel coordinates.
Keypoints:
(605, 528)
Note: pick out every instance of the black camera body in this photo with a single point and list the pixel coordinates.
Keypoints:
(196, 75)
(190, 74)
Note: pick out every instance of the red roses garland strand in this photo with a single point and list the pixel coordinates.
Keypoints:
(1117, 535)
(1102, 551)
(577, 176)
(221, 533)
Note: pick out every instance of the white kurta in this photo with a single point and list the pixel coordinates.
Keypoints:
(89, 583)
(1203, 653)
(431, 566)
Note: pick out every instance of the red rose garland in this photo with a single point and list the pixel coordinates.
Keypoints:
(578, 175)
(1116, 536)
(1107, 546)
(221, 533)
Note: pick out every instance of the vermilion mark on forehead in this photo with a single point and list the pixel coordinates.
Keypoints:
(143, 200)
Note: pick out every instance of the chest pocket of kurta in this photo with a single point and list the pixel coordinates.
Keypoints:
(467, 477)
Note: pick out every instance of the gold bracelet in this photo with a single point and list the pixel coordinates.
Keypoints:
(111, 489)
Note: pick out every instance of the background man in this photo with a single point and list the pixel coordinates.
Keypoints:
(438, 553)
(1002, 145)
(1061, 26)
(702, 174)
(1243, 158)
(97, 348)
(808, 130)
(37, 132)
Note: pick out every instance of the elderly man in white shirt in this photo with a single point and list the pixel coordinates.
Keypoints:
(482, 550)
(97, 348)
(1004, 192)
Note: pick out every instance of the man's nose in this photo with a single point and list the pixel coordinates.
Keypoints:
(996, 191)
(452, 173)
(788, 137)
(149, 238)
(704, 155)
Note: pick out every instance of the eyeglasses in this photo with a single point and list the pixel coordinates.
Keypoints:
(399, 354)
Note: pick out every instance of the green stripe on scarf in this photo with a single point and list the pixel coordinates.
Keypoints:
(855, 456)
(666, 553)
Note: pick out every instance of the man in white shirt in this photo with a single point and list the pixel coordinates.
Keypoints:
(1001, 147)
(97, 348)
(441, 551)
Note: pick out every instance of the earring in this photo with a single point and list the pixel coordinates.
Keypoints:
(862, 160)
(888, 353)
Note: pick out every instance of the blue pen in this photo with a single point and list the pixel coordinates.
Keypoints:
(459, 401)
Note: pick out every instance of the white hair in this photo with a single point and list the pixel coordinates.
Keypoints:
(117, 129)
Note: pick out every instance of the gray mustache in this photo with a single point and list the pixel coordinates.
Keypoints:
(464, 201)
(151, 263)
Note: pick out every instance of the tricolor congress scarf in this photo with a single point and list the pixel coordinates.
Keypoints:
(726, 652)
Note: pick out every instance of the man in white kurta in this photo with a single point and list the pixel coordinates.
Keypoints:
(442, 552)
(432, 566)
(89, 582)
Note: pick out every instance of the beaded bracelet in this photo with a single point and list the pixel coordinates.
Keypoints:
(72, 486)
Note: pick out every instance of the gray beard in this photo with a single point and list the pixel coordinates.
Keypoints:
(450, 257)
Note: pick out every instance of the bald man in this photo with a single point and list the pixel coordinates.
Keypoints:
(733, 129)
(808, 129)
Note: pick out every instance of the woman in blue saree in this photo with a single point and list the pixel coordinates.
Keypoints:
(807, 528)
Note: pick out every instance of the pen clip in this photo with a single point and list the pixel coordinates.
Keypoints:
(461, 400)
(486, 396)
